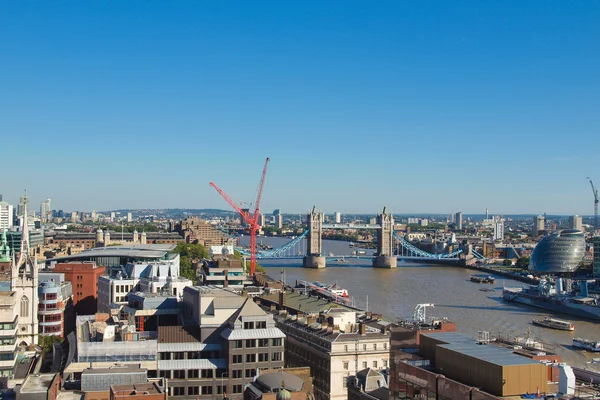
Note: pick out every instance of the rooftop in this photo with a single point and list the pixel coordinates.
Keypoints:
(137, 389)
(116, 369)
(117, 251)
(37, 383)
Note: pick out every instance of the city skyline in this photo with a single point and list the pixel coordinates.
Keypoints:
(424, 108)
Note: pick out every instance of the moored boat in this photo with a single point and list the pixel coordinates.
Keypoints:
(587, 344)
(482, 279)
(554, 324)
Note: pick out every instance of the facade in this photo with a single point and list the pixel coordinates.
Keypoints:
(576, 222)
(114, 257)
(338, 218)
(335, 347)
(499, 230)
(103, 239)
(84, 282)
(539, 225)
(559, 252)
(196, 230)
(138, 391)
(368, 384)
(8, 332)
(458, 220)
(55, 311)
(6, 215)
(224, 271)
(596, 265)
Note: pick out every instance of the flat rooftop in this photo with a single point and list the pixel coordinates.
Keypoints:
(116, 251)
(121, 369)
(137, 389)
(37, 383)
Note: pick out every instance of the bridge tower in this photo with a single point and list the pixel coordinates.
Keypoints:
(385, 258)
(314, 257)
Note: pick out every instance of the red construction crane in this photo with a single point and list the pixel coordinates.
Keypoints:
(251, 219)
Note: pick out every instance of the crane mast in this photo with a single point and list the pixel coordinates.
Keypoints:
(595, 192)
(251, 219)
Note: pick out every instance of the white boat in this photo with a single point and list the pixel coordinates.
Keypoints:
(586, 344)
(554, 324)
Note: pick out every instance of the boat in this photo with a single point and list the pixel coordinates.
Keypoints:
(332, 292)
(486, 290)
(554, 324)
(360, 252)
(351, 244)
(586, 344)
(482, 279)
(545, 296)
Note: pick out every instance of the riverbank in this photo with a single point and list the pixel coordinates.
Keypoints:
(505, 272)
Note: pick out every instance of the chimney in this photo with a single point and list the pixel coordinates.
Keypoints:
(281, 299)
(369, 315)
(336, 329)
(362, 328)
(311, 319)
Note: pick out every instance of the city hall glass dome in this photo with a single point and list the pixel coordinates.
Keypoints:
(558, 252)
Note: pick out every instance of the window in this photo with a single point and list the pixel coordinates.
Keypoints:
(179, 374)
(250, 373)
(193, 373)
(346, 348)
(263, 357)
(180, 355)
(385, 345)
(237, 373)
(364, 347)
(276, 356)
(250, 358)
(236, 344)
(207, 373)
(345, 364)
(248, 325)
(237, 388)
(193, 390)
(263, 342)
(364, 364)
(374, 364)
(261, 325)
(250, 343)
(206, 389)
(24, 307)
(345, 381)
(374, 346)
(178, 391)
(276, 342)
(164, 356)
(384, 363)
(237, 359)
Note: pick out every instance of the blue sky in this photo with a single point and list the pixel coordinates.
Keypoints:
(422, 106)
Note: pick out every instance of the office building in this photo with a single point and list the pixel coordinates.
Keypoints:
(84, 283)
(6, 215)
(424, 222)
(112, 216)
(129, 217)
(539, 225)
(499, 230)
(45, 211)
(458, 220)
(596, 265)
(279, 221)
(559, 252)
(196, 230)
(55, 310)
(575, 222)
(335, 346)
(338, 217)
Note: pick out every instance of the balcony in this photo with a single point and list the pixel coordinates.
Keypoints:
(8, 332)
(7, 363)
(52, 323)
(8, 347)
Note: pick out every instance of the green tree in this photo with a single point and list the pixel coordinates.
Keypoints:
(523, 262)
(188, 254)
(48, 342)
(507, 262)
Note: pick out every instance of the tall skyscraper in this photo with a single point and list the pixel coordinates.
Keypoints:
(338, 217)
(499, 230)
(279, 221)
(45, 210)
(112, 216)
(6, 216)
(458, 220)
(129, 217)
(575, 222)
(539, 225)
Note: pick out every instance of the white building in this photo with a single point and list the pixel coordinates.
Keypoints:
(45, 210)
(129, 217)
(539, 224)
(499, 230)
(6, 215)
(575, 222)
(338, 217)
(156, 277)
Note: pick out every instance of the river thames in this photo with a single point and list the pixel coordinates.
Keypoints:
(395, 293)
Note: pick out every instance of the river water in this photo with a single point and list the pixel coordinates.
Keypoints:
(395, 293)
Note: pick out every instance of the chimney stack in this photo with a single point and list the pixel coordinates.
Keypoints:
(362, 328)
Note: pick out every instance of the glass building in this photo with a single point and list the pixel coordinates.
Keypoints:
(559, 252)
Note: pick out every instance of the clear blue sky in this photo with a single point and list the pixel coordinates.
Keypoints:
(423, 106)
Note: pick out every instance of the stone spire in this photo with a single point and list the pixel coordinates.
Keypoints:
(24, 254)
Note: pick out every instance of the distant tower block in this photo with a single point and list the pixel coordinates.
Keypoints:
(314, 258)
(385, 258)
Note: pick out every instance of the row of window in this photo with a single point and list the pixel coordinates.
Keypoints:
(365, 347)
(251, 358)
(255, 325)
(202, 390)
(191, 355)
(253, 343)
(365, 364)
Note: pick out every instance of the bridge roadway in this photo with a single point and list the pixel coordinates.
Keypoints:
(438, 261)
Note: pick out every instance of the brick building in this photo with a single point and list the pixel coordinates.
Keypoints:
(84, 280)
(196, 230)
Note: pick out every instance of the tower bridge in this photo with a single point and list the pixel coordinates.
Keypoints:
(390, 245)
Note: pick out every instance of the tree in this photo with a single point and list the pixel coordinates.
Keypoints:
(507, 262)
(523, 262)
(48, 342)
(188, 254)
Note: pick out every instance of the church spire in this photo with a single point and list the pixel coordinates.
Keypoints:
(24, 255)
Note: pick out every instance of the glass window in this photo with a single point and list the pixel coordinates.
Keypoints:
(346, 348)
(345, 381)
(237, 373)
(364, 364)
(248, 325)
(236, 344)
(237, 388)
(250, 343)
(276, 342)
(374, 364)
(276, 356)
(345, 364)
(250, 358)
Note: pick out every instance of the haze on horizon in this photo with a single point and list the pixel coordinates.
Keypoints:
(424, 106)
